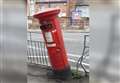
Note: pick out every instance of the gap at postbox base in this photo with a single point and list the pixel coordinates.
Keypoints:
(52, 34)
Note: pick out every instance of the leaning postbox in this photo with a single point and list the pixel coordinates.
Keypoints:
(52, 34)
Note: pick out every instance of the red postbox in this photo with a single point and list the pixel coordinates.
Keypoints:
(52, 34)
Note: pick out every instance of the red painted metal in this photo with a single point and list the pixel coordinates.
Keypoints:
(53, 38)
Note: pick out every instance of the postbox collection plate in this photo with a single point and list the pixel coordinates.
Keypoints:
(48, 36)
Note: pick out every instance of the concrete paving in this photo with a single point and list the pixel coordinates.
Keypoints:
(38, 75)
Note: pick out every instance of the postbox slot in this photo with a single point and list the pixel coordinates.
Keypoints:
(46, 26)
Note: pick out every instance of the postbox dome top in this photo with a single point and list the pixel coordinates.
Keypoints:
(48, 13)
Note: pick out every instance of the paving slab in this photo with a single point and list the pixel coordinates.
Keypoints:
(37, 74)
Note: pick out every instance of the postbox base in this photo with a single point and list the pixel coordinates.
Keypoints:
(60, 74)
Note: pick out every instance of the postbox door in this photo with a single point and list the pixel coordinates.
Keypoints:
(56, 51)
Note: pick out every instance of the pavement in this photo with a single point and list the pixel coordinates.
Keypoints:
(38, 75)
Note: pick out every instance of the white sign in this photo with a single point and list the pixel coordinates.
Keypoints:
(51, 45)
